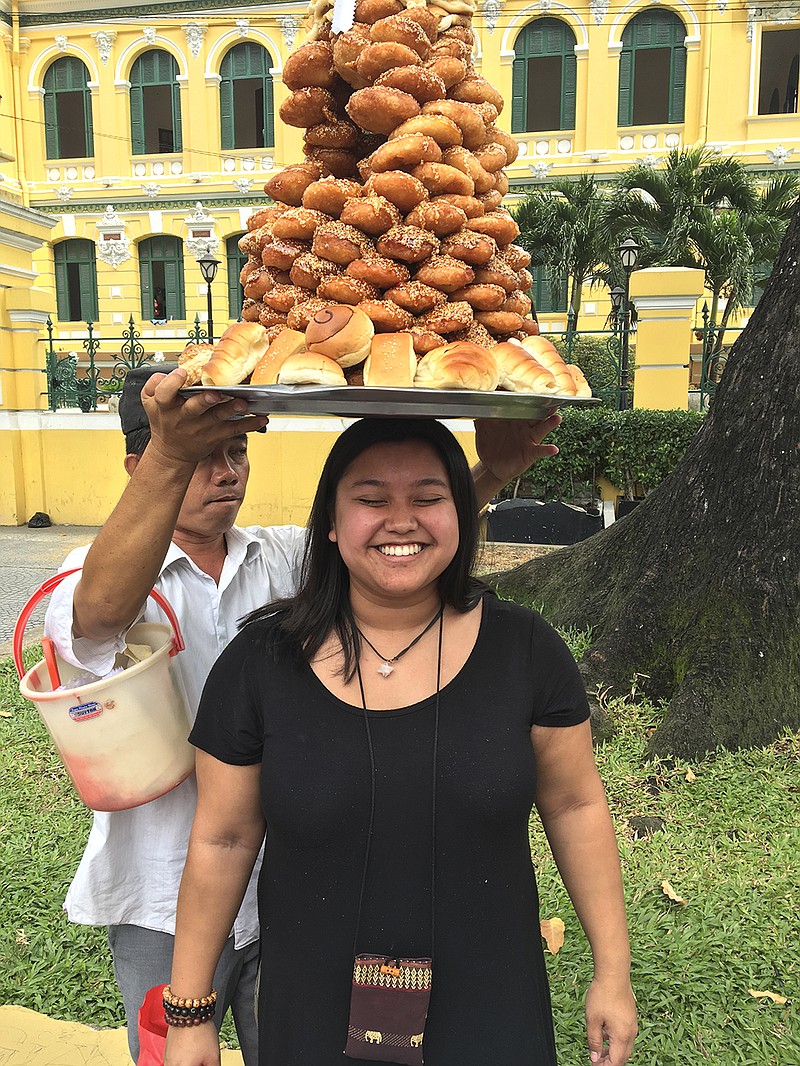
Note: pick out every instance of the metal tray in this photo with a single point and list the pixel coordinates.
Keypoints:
(356, 401)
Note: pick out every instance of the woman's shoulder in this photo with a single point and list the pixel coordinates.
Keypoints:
(509, 612)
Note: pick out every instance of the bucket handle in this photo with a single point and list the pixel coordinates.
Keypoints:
(52, 583)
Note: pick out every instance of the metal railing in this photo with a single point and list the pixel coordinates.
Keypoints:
(714, 354)
(602, 365)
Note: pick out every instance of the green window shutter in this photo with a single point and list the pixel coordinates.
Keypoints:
(173, 280)
(235, 261)
(137, 120)
(569, 76)
(519, 95)
(88, 276)
(145, 284)
(51, 125)
(625, 98)
(88, 122)
(226, 113)
(269, 113)
(677, 90)
(177, 130)
(62, 285)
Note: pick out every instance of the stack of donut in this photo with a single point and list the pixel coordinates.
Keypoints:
(397, 206)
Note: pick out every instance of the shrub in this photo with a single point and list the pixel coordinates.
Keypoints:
(593, 355)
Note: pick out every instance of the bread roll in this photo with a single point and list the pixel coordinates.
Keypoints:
(310, 368)
(520, 372)
(288, 342)
(582, 387)
(342, 333)
(239, 349)
(391, 362)
(547, 355)
(460, 365)
(193, 359)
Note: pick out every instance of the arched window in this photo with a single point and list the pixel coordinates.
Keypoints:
(235, 261)
(245, 98)
(76, 281)
(543, 78)
(155, 104)
(161, 278)
(652, 70)
(67, 110)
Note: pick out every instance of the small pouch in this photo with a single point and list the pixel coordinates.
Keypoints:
(388, 1009)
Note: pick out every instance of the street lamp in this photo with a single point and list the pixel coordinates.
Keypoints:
(208, 268)
(628, 254)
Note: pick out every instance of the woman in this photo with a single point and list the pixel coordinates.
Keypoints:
(392, 726)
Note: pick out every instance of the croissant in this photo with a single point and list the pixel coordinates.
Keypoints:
(238, 350)
(193, 359)
(288, 342)
(460, 365)
(547, 355)
(582, 387)
(520, 372)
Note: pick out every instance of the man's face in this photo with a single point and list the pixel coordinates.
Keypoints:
(216, 491)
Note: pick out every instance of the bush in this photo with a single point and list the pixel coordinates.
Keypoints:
(633, 449)
(593, 355)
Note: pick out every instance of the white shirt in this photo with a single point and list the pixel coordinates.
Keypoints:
(131, 869)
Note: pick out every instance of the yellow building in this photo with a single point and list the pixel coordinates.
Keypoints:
(134, 138)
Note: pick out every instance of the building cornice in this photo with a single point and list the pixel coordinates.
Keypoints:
(56, 12)
(225, 203)
(24, 214)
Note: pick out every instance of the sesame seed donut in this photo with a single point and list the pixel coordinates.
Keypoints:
(530, 328)
(379, 271)
(470, 205)
(442, 130)
(497, 272)
(401, 30)
(380, 56)
(252, 266)
(491, 200)
(468, 120)
(308, 107)
(373, 215)
(477, 249)
(445, 273)
(346, 290)
(498, 224)
(267, 317)
(310, 64)
(439, 217)
(346, 49)
(265, 216)
(424, 340)
(492, 157)
(308, 270)
(301, 314)
(498, 136)
(524, 280)
(501, 182)
(452, 46)
(273, 331)
(475, 333)
(516, 257)
(289, 184)
(284, 297)
(475, 89)
(498, 322)
(299, 223)
(464, 160)
(420, 82)
(409, 244)
(399, 188)
(251, 243)
(329, 195)
(332, 135)
(386, 316)
(518, 302)
(449, 69)
(416, 297)
(482, 297)
(439, 179)
(340, 243)
(337, 161)
(370, 11)
(488, 112)
(426, 18)
(282, 253)
(258, 282)
(405, 152)
(251, 310)
(381, 108)
(447, 318)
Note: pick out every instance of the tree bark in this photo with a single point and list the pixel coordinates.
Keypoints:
(699, 588)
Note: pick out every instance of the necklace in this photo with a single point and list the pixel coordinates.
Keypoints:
(386, 667)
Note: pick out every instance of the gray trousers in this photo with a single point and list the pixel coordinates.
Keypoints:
(143, 958)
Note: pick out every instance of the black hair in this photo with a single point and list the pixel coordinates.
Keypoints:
(322, 605)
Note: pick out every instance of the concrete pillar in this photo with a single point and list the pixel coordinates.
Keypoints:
(665, 299)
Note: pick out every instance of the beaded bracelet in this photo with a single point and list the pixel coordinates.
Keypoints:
(180, 1012)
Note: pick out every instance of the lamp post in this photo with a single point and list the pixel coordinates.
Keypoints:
(208, 268)
(628, 254)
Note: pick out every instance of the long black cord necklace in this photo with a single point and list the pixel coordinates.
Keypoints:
(386, 667)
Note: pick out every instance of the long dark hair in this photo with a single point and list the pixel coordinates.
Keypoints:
(322, 604)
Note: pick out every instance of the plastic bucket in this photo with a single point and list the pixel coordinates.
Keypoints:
(123, 740)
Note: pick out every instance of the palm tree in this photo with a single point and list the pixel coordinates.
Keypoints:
(562, 228)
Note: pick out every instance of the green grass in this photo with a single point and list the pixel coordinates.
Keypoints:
(729, 847)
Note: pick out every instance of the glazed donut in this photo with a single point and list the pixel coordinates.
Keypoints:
(497, 272)
(372, 215)
(499, 322)
(440, 218)
(370, 11)
(310, 64)
(380, 108)
(473, 129)
(267, 317)
(346, 290)
(449, 69)
(440, 179)
(462, 159)
(284, 297)
(516, 257)
(475, 89)
(445, 273)
(299, 223)
(524, 280)
(282, 253)
(307, 107)
(473, 248)
(329, 195)
(379, 271)
(501, 182)
(482, 297)
(337, 161)
(380, 56)
(497, 224)
(332, 135)
(301, 314)
(426, 18)
(258, 282)
(339, 243)
(386, 316)
(409, 244)
(447, 318)
(491, 200)
(397, 29)
(498, 136)
(518, 302)
(251, 310)
(475, 333)
(346, 49)
(399, 188)
(419, 82)
(405, 152)
(442, 130)
(289, 184)
(415, 297)
(308, 270)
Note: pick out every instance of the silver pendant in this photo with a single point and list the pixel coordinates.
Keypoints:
(385, 669)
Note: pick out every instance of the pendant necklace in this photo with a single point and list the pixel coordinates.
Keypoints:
(386, 666)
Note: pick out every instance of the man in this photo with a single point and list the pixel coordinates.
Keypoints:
(173, 528)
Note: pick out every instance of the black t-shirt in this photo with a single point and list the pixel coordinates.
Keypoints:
(490, 1001)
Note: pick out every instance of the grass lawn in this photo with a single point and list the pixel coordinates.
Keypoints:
(729, 847)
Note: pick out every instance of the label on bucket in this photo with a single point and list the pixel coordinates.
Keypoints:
(84, 711)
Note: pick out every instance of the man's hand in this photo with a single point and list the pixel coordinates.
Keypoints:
(187, 430)
(507, 447)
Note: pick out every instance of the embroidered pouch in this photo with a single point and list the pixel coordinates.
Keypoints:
(388, 1009)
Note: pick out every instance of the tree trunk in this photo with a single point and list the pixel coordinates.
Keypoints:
(699, 588)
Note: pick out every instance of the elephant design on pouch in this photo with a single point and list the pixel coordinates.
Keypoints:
(416, 1040)
(373, 1037)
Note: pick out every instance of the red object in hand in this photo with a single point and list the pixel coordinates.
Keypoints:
(152, 1028)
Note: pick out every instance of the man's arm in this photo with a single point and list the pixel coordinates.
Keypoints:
(126, 558)
(507, 448)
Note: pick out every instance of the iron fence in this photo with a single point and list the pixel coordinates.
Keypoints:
(599, 353)
(716, 343)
